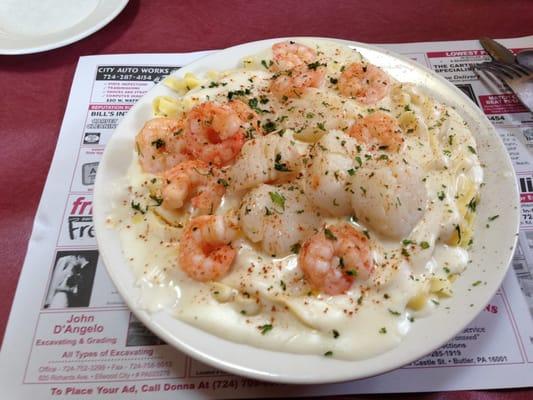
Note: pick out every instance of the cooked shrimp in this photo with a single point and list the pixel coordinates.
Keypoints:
(294, 82)
(161, 145)
(205, 251)
(216, 132)
(194, 180)
(379, 130)
(289, 54)
(365, 82)
(250, 121)
(333, 258)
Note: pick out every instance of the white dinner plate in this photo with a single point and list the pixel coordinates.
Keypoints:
(490, 254)
(32, 26)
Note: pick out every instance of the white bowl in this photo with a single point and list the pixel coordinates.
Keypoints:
(491, 253)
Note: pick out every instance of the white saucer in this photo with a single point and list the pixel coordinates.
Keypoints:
(32, 26)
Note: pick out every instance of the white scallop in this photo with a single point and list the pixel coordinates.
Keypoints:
(389, 197)
(278, 217)
(267, 159)
(331, 162)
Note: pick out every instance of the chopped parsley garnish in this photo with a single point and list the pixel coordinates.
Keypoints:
(253, 102)
(458, 230)
(424, 245)
(269, 126)
(472, 204)
(351, 272)
(295, 248)
(277, 199)
(405, 252)
(395, 312)
(472, 150)
(476, 283)
(158, 200)
(213, 84)
(328, 353)
(321, 126)
(493, 217)
(236, 93)
(407, 242)
(267, 211)
(223, 182)
(435, 302)
(265, 328)
(351, 172)
(315, 65)
(441, 195)
(336, 333)
(333, 81)
(383, 157)
(446, 269)
(283, 286)
(383, 330)
(137, 207)
(358, 159)
(158, 143)
(329, 235)
(264, 63)
(279, 166)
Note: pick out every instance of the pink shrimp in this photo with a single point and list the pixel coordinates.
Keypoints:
(289, 54)
(160, 144)
(365, 82)
(294, 82)
(205, 251)
(379, 130)
(249, 119)
(216, 132)
(194, 180)
(332, 259)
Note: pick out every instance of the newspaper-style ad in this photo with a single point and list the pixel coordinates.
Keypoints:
(71, 335)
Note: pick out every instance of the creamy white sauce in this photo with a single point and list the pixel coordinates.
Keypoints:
(265, 301)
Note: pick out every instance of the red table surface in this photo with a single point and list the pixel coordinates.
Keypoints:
(35, 87)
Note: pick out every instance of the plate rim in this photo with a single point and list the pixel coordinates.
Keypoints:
(148, 319)
(55, 44)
